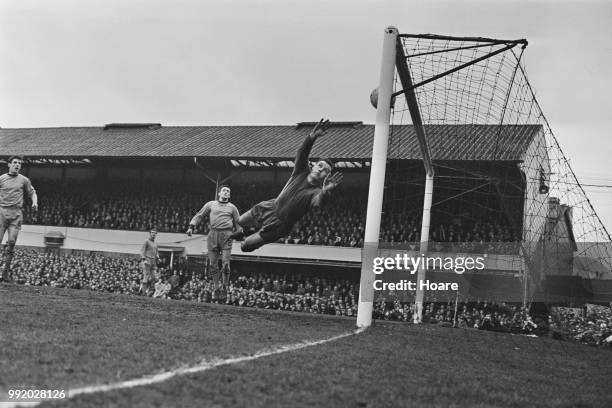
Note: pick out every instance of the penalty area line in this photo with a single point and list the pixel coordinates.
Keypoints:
(202, 366)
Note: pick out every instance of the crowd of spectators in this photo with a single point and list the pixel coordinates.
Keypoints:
(483, 315)
(91, 271)
(115, 205)
(128, 205)
(591, 324)
(297, 292)
(289, 292)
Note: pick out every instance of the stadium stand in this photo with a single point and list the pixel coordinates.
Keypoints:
(127, 205)
(149, 174)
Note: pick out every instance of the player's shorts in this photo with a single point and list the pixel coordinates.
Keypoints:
(11, 217)
(219, 240)
(272, 228)
(149, 271)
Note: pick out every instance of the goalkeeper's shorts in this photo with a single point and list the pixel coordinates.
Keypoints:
(271, 227)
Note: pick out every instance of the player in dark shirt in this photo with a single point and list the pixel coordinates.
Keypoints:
(306, 188)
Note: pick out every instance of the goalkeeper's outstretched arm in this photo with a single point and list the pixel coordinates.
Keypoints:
(301, 159)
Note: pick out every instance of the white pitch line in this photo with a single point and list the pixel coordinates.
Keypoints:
(203, 366)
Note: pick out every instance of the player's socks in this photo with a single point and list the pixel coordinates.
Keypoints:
(225, 273)
(5, 274)
(5, 277)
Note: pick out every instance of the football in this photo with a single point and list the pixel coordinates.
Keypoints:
(374, 99)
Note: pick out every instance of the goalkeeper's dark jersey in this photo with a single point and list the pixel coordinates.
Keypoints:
(299, 196)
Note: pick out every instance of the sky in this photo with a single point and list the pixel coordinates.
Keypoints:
(231, 62)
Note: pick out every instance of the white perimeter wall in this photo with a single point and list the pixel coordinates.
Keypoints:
(130, 242)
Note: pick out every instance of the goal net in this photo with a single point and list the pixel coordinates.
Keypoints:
(466, 124)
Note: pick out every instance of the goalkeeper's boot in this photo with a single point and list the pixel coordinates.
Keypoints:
(238, 235)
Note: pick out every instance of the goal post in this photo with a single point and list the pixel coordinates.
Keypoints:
(377, 177)
(393, 57)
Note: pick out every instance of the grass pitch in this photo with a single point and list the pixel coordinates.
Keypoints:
(58, 338)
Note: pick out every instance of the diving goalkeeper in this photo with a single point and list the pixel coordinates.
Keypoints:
(306, 188)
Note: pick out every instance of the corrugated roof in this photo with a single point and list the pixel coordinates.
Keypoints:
(447, 142)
